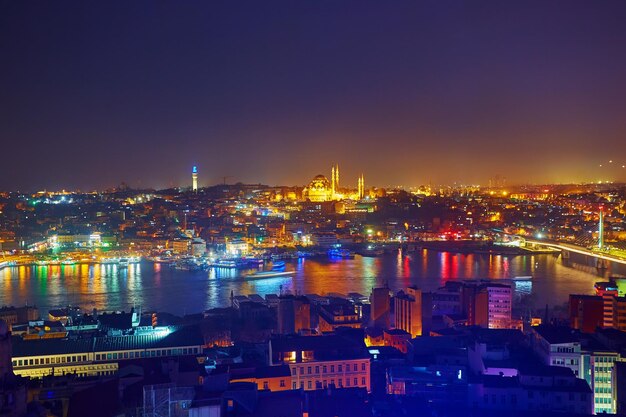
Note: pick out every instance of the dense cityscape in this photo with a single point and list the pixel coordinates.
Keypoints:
(471, 346)
(312, 209)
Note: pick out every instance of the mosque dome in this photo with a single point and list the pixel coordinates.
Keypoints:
(319, 189)
(319, 182)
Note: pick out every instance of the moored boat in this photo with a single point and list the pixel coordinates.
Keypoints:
(230, 263)
(523, 278)
(270, 274)
(278, 265)
(371, 251)
(337, 253)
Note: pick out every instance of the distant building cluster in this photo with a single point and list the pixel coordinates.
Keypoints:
(53, 227)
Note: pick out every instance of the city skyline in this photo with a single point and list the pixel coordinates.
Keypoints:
(196, 180)
(102, 94)
(312, 208)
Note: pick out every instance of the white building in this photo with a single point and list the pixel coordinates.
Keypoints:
(237, 247)
(593, 362)
(557, 346)
(324, 239)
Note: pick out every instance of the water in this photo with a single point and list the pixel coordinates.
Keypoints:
(158, 287)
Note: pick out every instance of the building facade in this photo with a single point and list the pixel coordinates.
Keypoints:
(317, 362)
(380, 302)
(408, 311)
(493, 306)
(100, 355)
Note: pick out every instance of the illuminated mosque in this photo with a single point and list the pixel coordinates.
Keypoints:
(320, 189)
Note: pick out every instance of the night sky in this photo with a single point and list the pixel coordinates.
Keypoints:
(96, 93)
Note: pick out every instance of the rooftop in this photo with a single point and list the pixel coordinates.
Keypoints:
(185, 336)
(326, 346)
(261, 372)
(556, 335)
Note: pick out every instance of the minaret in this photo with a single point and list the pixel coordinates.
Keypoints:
(337, 177)
(332, 183)
(194, 179)
(361, 187)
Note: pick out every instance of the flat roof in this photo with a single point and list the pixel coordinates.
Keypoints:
(185, 336)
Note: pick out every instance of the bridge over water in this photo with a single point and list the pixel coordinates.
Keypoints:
(597, 258)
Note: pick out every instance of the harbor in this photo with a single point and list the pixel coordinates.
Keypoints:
(163, 287)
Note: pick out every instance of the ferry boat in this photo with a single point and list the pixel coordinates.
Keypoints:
(337, 253)
(270, 274)
(284, 255)
(522, 278)
(230, 263)
(372, 251)
(168, 260)
(255, 262)
(109, 261)
(224, 263)
(278, 265)
(190, 265)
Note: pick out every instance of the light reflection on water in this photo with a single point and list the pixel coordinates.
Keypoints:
(159, 287)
